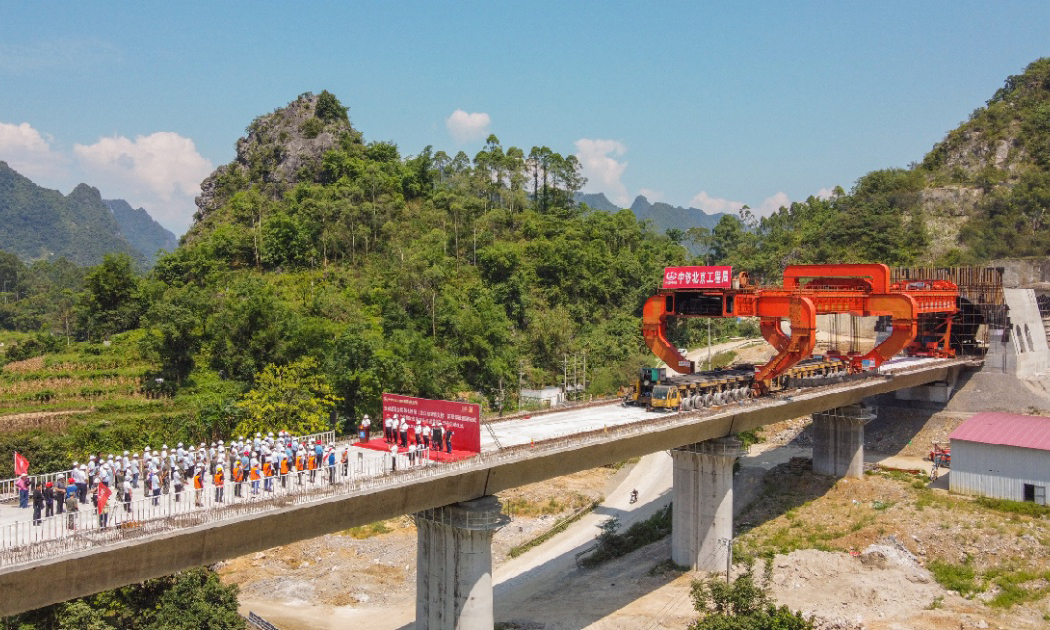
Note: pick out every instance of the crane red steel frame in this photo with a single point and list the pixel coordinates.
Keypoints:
(856, 289)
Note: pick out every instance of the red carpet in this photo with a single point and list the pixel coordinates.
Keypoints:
(379, 444)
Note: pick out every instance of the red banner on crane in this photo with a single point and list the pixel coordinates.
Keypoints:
(716, 277)
(464, 419)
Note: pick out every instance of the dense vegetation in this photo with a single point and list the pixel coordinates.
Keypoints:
(190, 600)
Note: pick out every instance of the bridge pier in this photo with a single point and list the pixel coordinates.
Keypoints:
(702, 519)
(454, 565)
(838, 440)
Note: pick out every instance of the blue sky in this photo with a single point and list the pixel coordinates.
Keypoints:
(693, 103)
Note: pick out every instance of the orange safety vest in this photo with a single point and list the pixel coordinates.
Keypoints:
(345, 455)
(312, 462)
(238, 474)
(284, 466)
(219, 479)
(197, 482)
(254, 474)
(268, 469)
(300, 462)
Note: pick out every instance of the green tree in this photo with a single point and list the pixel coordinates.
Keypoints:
(743, 604)
(295, 398)
(182, 601)
(110, 302)
(198, 600)
(250, 328)
(329, 108)
(173, 334)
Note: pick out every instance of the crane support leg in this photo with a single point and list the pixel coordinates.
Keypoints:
(773, 333)
(803, 335)
(654, 316)
(904, 311)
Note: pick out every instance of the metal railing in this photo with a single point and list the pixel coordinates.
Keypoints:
(9, 492)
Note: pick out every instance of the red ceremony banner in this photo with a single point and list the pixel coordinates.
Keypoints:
(21, 465)
(463, 418)
(698, 277)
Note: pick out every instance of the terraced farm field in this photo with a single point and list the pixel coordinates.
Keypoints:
(92, 398)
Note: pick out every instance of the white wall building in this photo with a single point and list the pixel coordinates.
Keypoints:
(1002, 455)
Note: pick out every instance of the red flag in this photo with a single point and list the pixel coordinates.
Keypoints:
(21, 465)
(103, 496)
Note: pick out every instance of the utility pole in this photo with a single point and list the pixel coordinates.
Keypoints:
(575, 376)
(565, 376)
(709, 344)
(521, 374)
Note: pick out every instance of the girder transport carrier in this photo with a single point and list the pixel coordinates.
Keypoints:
(919, 317)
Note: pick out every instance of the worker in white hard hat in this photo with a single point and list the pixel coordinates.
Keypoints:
(220, 483)
(81, 479)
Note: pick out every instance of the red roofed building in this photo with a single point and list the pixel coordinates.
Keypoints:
(1002, 455)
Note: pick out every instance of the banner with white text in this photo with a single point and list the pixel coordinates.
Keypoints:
(718, 277)
(464, 419)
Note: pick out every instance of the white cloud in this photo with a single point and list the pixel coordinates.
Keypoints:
(652, 195)
(464, 127)
(27, 151)
(770, 205)
(160, 172)
(601, 168)
(825, 193)
(714, 205)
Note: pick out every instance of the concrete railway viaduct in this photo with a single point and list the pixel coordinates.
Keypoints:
(456, 512)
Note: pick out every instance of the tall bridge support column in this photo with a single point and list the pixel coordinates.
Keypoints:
(838, 440)
(702, 519)
(454, 565)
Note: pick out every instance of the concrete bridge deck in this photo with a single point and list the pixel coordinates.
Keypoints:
(84, 562)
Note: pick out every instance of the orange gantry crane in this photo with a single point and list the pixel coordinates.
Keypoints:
(920, 312)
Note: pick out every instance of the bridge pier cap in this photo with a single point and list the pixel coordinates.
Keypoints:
(454, 565)
(702, 519)
(838, 440)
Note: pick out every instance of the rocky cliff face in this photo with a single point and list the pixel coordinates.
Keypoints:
(979, 167)
(280, 150)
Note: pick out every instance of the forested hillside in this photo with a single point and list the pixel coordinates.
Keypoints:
(141, 230)
(981, 193)
(40, 224)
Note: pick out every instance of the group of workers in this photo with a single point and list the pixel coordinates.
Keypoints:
(399, 431)
(256, 462)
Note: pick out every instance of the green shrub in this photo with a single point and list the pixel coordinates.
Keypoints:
(956, 577)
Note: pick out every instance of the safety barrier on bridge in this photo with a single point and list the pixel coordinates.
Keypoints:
(257, 622)
(25, 543)
(8, 492)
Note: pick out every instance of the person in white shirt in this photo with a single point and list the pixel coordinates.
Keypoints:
(127, 495)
